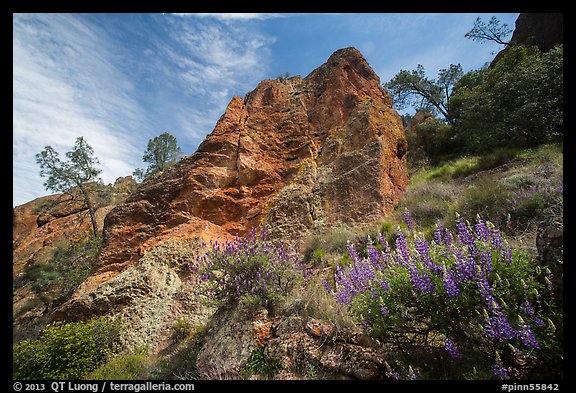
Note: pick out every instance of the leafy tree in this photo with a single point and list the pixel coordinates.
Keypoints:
(162, 151)
(413, 88)
(518, 102)
(75, 174)
(492, 31)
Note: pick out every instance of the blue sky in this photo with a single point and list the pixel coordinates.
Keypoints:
(122, 79)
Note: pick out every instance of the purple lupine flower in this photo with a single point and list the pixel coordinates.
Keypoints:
(498, 369)
(486, 262)
(450, 283)
(527, 308)
(384, 310)
(423, 249)
(402, 246)
(448, 238)
(326, 285)
(486, 293)
(420, 280)
(393, 374)
(498, 327)
(384, 244)
(451, 349)
(408, 220)
(375, 257)
(438, 233)
(481, 230)
(495, 237)
(527, 337)
(352, 252)
(384, 284)
(464, 234)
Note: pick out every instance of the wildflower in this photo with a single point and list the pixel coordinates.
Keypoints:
(450, 283)
(481, 230)
(424, 251)
(402, 247)
(451, 349)
(527, 337)
(498, 369)
(326, 285)
(384, 310)
(412, 375)
(420, 280)
(438, 233)
(498, 327)
(390, 372)
(464, 235)
(408, 220)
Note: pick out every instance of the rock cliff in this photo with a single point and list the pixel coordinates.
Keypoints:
(296, 154)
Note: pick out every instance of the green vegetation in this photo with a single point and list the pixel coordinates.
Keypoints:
(258, 363)
(162, 151)
(71, 263)
(78, 173)
(516, 104)
(449, 305)
(461, 295)
(251, 269)
(128, 366)
(66, 350)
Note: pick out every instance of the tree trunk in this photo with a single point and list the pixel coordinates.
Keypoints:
(90, 210)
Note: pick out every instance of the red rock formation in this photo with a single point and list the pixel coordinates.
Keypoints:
(295, 154)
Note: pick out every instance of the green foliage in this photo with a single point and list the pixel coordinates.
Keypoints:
(161, 152)
(66, 350)
(492, 31)
(517, 103)
(181, 328)
(128, 366)
(414, 88)
(249, 269)
(71, 263)
(488, 198)
(76, 173)
(462, 306)
(258, 363)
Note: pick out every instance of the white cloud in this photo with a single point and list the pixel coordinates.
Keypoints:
(217, 60)
(65, 87)
(233, 16)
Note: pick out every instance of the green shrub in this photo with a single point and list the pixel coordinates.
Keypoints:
(71, 263)
(128, 366)
(258, 363)
(251, 269)
(488, 198)
(181, 328)
(66, 350)
(464, 305)
(518, 102)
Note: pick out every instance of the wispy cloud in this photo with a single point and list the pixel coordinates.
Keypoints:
(233, 16)
(64, 86)
(216, 60)
(122, 79)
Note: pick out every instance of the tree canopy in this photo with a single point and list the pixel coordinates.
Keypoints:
(491, 31)
(161, 152)
(76, 173)
(413, 88)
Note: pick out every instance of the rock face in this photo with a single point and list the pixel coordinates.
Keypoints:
(295, 154)
(544, 30)
(39, 228)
